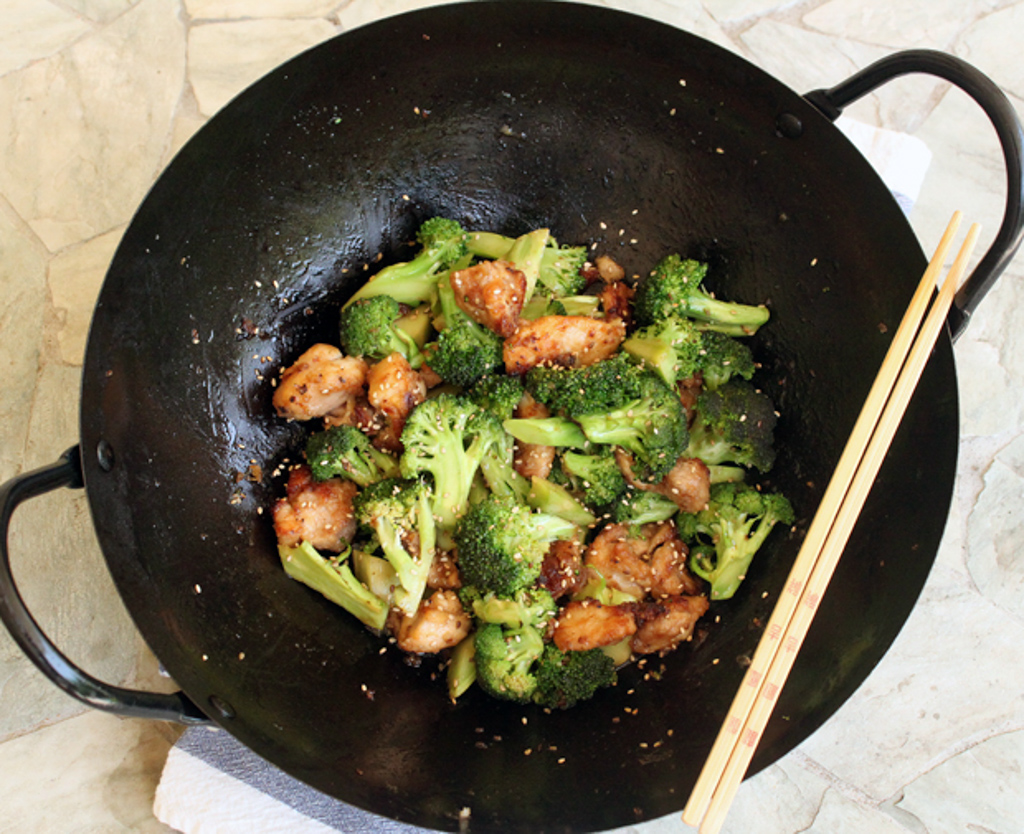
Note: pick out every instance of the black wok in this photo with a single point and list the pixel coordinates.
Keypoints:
(238, 258)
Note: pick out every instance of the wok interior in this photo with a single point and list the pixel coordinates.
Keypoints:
(237, 260)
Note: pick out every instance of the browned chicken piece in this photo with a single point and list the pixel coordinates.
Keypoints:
(359, 413)
(689, 390)
(444, 573)
(688, 482)
(394, 389)
(590, 625)
(609, 269)
(320, 382)
(665, 624)
(622, 557)
(567, 341)
(429, 376)
(440, 623)
(561, 572)
(316, 512)
(532, 459)
(491, 293)
(616, 300)
(670, 576)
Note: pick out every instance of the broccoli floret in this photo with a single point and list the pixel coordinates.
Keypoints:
(497, 393)
(345, 452)
(672, 347)
(447, 437)
(592, 389)
(528, 606)
(397, 512)
(498, 470)
(640, 506)
(597, 477)
(675, 287)
(504, 661)
(651, 425)
(722, 358)
(501, 544)
(560, 270)
(334, 579)
(367, 328)
(509, 639)
(615, 403)
(443, 246)
(566, 678)
(726, 535)
(465, 350)
(734, 424)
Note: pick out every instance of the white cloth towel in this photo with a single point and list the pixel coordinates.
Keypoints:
(212, 784)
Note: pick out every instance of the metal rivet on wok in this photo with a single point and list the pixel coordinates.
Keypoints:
(105, 455)
(789, 126)
(223, 707)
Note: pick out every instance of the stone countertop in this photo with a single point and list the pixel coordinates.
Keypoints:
(95, 98)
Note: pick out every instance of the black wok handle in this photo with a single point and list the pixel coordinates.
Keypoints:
(1008, 129)
(67, 472)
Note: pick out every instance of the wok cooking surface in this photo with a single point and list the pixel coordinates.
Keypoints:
(263, 224)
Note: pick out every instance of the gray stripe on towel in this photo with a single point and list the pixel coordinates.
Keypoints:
(222, 751)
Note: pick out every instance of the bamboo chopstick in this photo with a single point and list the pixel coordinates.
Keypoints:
(735, 744)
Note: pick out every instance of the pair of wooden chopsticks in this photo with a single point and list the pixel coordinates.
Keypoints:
(827, 536)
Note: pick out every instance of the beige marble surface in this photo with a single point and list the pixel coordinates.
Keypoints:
(97, 95)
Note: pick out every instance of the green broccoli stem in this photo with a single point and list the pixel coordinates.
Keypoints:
(552, 499)
(551, 528)
(462, 668)
(411, 351)
(726, 474)
(443, 243)
(547, 431)
(335, 581)
(580, 305)
(657, 354)
(412, 570)
(724, 316)
(709, 447)
(489, 245)
(526, 254)
(450, 309)
(734, 330)
(411, 282)
(502, 479)
(453, 480)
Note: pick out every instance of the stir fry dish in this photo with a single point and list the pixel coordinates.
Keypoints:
(528, 464)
